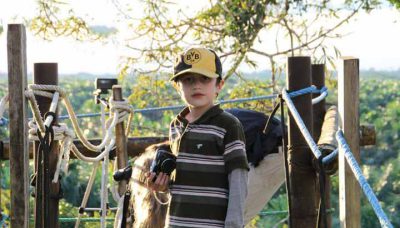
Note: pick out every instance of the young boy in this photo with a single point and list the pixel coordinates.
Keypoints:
(210, 182)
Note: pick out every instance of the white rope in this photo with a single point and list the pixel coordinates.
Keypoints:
(53, 107)
(318, 99)
(115, 107)
(65, 137)
(118, 215)
(3, 103)
(87, 192)
(159, 201)
(118, 112)
(104, 192)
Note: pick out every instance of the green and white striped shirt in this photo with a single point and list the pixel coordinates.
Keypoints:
(207, 151)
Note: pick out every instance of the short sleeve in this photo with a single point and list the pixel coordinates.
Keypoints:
(235, 148)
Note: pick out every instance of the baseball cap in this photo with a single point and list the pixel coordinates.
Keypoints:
(198, 60)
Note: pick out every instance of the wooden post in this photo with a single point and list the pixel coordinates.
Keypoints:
(19, 154)
(318, 79)
(46, 208)
(120, 141)
(348, 101)
(302, 177)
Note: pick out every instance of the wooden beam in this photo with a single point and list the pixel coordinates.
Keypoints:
(19, 159)
(47, 192)
(348, 102)
(120, 138)
(318, 79)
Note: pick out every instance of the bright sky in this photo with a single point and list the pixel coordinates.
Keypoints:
(373, 38)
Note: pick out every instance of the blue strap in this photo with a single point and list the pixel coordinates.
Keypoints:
(3, 121)
(311, 89)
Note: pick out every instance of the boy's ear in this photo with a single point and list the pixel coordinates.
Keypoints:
(221, 84)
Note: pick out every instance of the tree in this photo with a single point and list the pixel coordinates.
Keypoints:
(238, 30)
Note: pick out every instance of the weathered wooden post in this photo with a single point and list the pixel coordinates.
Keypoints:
(120, 141)
(318, 79)
(302, 177)
(348, 101)
(47, 197)
(19, 154)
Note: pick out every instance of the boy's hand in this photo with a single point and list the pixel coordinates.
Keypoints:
(160, 184)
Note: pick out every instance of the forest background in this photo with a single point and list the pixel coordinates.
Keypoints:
(244, 33)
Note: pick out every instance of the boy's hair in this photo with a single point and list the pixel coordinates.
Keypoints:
(198, 60)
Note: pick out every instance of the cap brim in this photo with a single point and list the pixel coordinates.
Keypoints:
(197, 71)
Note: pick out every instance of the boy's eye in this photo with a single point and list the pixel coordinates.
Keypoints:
(205, 79)
(188, 80)
(193, 80)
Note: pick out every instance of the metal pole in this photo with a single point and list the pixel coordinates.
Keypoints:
(19, 151)
(302, 177)
(47, 193)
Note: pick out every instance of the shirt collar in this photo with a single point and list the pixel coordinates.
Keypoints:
(210, 113)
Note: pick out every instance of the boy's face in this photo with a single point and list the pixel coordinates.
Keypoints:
(198, 91)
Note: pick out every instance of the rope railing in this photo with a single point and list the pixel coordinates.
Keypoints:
(300, 123)
(177, 107)
(118, 112)
(351, 160)
(383, 219)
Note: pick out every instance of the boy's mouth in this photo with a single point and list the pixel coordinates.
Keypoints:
(197, 95)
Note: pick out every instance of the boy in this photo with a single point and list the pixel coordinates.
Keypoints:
(210, 182)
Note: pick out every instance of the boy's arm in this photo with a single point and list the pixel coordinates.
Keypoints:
(237, 194)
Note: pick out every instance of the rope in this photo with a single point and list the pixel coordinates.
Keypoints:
(84, 219)
(383, 219)
(176, 107)
(115, 107)
(87, 193)
(118, 112)
(119, 214)
(330, 157)
(302, 127)
(311, 89)
(3, 107)
(322, 96)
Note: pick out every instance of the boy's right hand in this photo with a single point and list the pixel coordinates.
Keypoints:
(160, 184)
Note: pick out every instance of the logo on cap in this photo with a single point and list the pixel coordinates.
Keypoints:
(192, 56)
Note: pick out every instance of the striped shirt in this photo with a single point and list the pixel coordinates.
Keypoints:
(207, 151)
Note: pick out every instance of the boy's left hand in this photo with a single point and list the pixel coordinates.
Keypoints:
(160, 184)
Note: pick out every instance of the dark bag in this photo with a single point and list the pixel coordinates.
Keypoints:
(258, 143)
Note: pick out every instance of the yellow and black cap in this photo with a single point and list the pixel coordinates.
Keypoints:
(198, 60)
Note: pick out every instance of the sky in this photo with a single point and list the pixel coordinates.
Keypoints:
(373, 38)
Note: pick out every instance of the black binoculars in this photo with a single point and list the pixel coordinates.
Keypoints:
(164, 162)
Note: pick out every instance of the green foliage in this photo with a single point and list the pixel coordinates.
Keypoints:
(396, 3)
